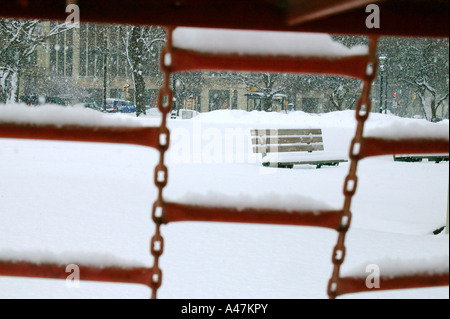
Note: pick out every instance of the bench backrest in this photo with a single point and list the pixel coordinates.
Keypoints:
(286, 140)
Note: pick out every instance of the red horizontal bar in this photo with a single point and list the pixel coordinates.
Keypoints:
(348, 285)
(187, 60)
(134, 275)
(145, 136)
(425, 18)
(174, 212)
(303, 11)
(372, 146)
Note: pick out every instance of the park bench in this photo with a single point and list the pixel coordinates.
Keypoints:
(297, 146)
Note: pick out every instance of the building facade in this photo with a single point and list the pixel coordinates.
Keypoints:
(88, 64)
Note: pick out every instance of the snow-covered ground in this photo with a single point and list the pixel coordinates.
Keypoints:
(93, 201)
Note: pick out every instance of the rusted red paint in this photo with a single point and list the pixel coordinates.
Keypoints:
(349, 285)
(186, 60)
(424, 18)
(176, 212)
(144, 136)
(383, 146)
(133, 275)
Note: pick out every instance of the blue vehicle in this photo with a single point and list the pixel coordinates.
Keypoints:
(118, 105)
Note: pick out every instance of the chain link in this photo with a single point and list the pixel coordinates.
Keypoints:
(165, 102)
(351, 181)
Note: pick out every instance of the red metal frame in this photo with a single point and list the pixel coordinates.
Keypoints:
(415, 18)
(132, 275)
(144, 136)
(175, 212)
(424, 18)
(383, 146)
(348, 285)
(187, 60)
(305, 11)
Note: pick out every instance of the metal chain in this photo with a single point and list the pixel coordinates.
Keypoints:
(165, 102)
(363, 108)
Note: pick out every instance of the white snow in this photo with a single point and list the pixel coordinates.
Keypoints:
(261, 43)
(59, 115)
(392, 267)
(408, 128)
(287, 202)
(97, 259)
(87, 202)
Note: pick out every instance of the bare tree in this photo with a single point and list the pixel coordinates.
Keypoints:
(19, 40)
(265, 84)
(141, 45)
(421, 68)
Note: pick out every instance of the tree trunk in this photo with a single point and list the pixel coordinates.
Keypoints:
(433, 109)
(139, 86)
(136, 51)
(13, 93)
(267, 103)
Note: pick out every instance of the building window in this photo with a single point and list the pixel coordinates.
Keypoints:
(61, 52)
(93, 47)
(116, 49)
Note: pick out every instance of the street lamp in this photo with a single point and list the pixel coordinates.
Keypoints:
(382, 70)
(105, 76)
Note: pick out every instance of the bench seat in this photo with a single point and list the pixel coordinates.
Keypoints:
(285, 148)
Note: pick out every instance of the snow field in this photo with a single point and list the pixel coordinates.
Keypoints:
(59, 200)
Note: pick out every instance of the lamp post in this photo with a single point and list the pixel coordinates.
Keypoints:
(382, 70)
(105, 77)
(174, 88)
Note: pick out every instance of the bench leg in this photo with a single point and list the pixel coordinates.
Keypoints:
(319, 165)
(285, 165)
(278, 165)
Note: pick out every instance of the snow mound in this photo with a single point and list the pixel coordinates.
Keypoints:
(59, 115)
(261, 119)
(397, 128)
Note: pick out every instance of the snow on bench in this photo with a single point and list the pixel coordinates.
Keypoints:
(244, 42)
